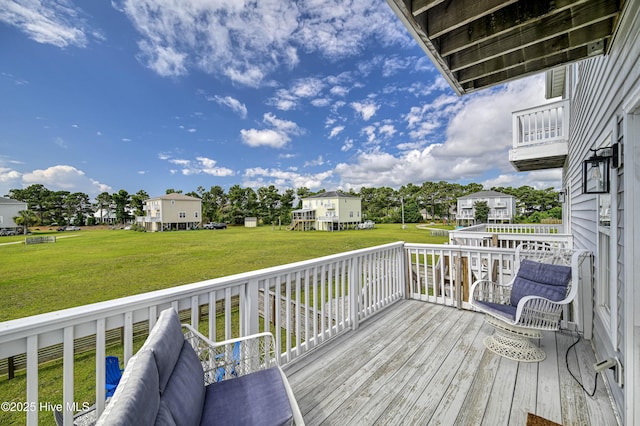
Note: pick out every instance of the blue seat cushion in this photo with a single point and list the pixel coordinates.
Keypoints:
(258, 398)
(540, 279)
(506, 311)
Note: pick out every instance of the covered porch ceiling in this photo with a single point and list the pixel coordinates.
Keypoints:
(481, 43)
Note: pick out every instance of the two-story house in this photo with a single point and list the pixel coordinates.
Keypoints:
(171, 212)
(502, 207)
(8, 210)
(328, 211)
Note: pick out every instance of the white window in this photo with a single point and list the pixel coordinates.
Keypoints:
(606, 284)
(196, 215)
(182, 215)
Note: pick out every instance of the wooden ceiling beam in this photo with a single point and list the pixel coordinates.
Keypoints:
(525, 36)
(548, 48)
(528, 68)
(504, 21)
(421, 6)
(447, 16)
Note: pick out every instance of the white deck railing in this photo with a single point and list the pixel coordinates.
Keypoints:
(511, 235)
(318, 298)
(443, 274)
(542, 124)
(305, 304)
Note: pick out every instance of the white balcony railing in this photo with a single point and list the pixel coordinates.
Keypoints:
(309, 302)
(511, 235)
(545, 123)
(306, 303)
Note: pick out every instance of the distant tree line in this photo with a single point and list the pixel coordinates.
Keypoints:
(435, 201)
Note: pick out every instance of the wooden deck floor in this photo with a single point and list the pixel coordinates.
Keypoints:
(418, 363)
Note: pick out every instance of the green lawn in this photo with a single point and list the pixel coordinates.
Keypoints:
(96, 265)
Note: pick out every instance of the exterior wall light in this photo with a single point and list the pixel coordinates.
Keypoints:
(595, 172)
(562, 197)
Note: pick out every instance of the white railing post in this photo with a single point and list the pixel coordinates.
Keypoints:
(100, 366)
(354, 292)
(251, 307)
(67, 376)
(32, 380)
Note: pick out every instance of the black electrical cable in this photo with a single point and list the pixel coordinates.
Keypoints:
(566, 359)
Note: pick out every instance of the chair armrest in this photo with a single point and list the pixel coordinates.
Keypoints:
(539, 312)
(490, 291)
(234, 357)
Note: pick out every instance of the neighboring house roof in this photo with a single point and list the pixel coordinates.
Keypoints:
(4, 200)
(175, 196)
(486, 194)
(332, 194)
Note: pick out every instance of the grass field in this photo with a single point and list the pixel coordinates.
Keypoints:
(96, 265)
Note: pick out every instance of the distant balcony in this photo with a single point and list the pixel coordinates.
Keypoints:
(540, 137)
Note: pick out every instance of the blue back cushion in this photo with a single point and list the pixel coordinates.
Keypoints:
(165, 341)
(136, 400)
(184, 393)
(540, 279)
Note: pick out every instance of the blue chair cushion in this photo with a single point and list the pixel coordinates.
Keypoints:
(136, 400)
(261, 395)
(185, 391)
(506, 311)
(540, 279)
(165, 341)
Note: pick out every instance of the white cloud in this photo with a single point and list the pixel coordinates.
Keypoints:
(539, 179)
(267, 137)
(233, 104)
(201, 165)
(247, 41)
(258, 176)
(65, 178)
(276, 137)
(336, 131)
(317, 162)
(365, 109)
(482, 125)
(59, 23)
(9, 175)
(477, 141)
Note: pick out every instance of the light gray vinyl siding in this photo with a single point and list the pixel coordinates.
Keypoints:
(596, 106)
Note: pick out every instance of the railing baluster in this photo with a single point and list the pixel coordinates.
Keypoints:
(67, 375)
(32, 380)
(128, 336)
(100, 365)
(212, 316)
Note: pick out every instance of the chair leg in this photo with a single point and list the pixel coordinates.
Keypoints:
(513, 343)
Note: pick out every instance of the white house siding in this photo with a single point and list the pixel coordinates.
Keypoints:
(604, 87)
(8, 210)
(163, 213)
(334, 209)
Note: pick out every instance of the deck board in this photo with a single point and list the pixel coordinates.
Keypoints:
(420, 363)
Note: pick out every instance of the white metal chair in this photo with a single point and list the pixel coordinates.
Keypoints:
(546, 281)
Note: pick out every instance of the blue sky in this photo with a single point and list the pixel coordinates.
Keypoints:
(135, 94)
